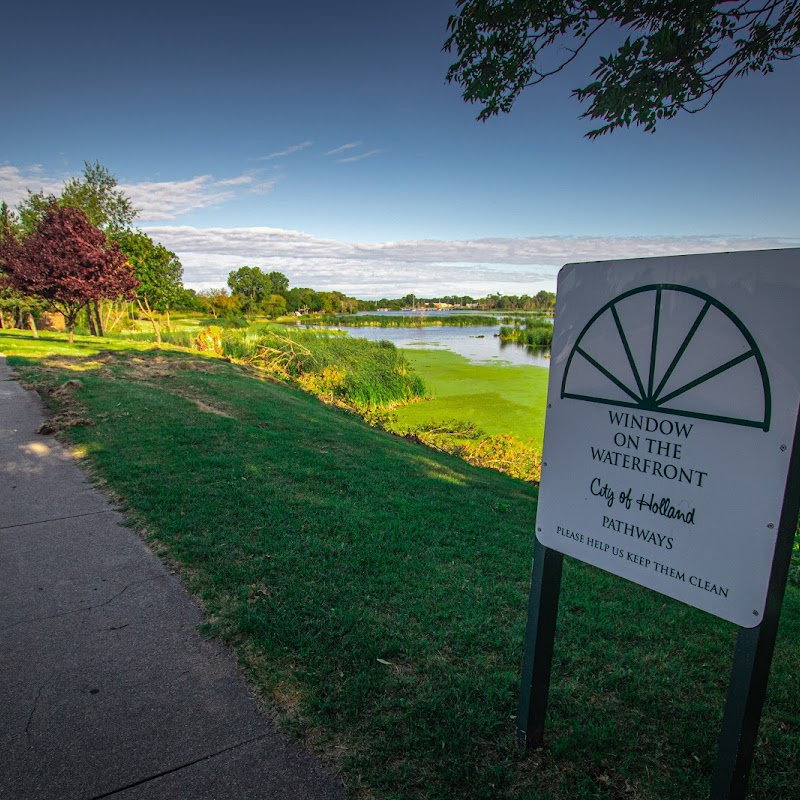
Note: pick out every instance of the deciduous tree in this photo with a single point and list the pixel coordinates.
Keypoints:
(274, 305)
(299, 298)
(671, 55)
(158, 271)
(18, 306)
(280, 283)
(68, 262)
(252, 285)
(219, 303)
(95, 193)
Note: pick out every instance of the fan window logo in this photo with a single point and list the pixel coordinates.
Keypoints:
(671, 349)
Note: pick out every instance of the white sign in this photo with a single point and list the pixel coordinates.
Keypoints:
(673, 397)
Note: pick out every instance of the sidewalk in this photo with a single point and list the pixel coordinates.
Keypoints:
(106, 689)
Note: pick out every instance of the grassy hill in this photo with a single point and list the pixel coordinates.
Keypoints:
(375, 591)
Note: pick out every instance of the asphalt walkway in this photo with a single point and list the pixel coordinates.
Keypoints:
(106, 689)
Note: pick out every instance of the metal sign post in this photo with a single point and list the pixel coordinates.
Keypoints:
(539, 636)
(753, 657)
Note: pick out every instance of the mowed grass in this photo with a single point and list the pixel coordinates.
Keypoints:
(497, 398)
(375, 593)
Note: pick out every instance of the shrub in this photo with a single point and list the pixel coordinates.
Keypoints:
(502, 452)
(209, 339)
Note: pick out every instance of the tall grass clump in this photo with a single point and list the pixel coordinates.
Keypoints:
(537, 333)
(357, 373)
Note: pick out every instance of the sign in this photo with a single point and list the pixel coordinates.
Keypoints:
(673, 397)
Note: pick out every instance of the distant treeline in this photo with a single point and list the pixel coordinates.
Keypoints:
(542, 301)
(253, 292)
(402, 321)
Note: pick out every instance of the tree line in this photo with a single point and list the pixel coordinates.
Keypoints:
(253, 292)
(543, 301)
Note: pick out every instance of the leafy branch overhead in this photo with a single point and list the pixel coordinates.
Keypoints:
(670, 56)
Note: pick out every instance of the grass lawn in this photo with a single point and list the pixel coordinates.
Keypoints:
(497, 398)
(375, 592)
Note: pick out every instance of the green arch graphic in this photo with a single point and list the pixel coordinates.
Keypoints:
(648, 394)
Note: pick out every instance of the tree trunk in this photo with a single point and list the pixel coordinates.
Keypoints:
(98, 319)
(169, 328)
(107, 326)
(2, 320)
(108, 323)
(111, 325)
(151, 316)
(32, 323)
(71, 327)
(90, 319)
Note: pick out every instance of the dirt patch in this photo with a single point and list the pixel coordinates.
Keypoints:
(70, 412)
(209, 409)
(158, 367)
(202, 405)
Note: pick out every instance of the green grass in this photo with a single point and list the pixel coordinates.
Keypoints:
(321, 548)
(497, 398)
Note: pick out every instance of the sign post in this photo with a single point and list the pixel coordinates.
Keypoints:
(539, 635)
(671, 457)
(753, 656)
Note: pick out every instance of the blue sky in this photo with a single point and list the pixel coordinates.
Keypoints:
(320, 139)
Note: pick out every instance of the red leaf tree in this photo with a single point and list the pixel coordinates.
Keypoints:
(68, 262)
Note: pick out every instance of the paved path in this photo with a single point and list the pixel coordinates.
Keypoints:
(106, 689)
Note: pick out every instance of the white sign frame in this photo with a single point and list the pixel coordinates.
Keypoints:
(672, 402)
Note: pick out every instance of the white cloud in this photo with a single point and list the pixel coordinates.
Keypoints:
(162, 200)
(168, 200)
(426, 267)
(343, 148)
(15, 182)
(156, 201)
(295, 148)
(242, 180)
(359, 157)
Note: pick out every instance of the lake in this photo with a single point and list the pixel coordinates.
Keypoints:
(479, 344)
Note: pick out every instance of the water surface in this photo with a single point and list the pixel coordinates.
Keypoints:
(479, 344)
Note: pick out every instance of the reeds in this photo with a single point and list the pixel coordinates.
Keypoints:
(363, 375)
(536, 333)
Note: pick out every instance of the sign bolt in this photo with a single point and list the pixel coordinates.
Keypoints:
(771, 525)
(783, 448)
(755, 613)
